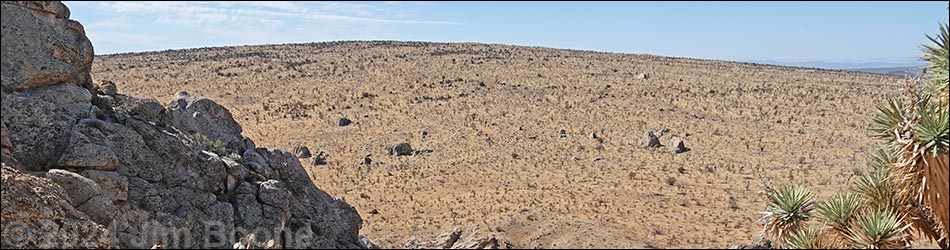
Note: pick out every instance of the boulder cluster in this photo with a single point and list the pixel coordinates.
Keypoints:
(87, 167)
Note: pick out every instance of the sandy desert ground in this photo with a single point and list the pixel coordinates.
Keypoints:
(484, 121)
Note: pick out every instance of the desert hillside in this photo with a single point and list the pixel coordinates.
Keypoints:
(485, 121)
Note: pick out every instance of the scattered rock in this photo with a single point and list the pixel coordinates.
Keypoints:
(643, 76)
(302, 152)
(650, 140)
(366, 160)
(561, 133)
(344, 122)
(319, 159)
(677, 146)
(593, 135)
(401, 149)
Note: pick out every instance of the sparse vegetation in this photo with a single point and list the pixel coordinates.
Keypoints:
(210, 145)
(490, 106)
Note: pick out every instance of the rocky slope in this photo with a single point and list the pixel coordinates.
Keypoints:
(496, 130)
(103, 169)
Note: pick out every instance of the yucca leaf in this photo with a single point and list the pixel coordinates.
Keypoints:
(878, 188)
(807, 238)
(839, 210)
(788, 208)
(882, 160)
(888, 118)
(933, 128)
(880, 228)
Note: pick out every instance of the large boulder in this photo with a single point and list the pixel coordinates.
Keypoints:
(192, 115)
(87, 155)
(37, 214)
(39, 129)
(85, 195)
(45, 79)
(113, 185)
(42, 46)
(145, 108)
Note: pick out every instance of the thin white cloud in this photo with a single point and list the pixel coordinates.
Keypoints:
(202, 14)
(128, 39)
(138, 26)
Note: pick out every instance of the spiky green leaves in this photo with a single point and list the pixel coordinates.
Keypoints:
(882, 160)
(878, 188)
(933, 129)
(936, 55)
(838, 211)
(787, 210)
(808, 238)
(880, 228)
(889, 118)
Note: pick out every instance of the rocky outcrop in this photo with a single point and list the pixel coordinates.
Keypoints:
(455, 238)
(46, 62)
(37, 214)
(129, 172)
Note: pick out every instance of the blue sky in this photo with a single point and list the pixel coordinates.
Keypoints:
(737, 31)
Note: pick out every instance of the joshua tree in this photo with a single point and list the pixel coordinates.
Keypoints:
(906, 187)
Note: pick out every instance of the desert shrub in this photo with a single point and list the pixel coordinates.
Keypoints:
(210, 145)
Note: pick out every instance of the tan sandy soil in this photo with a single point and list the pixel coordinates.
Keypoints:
(492, 155)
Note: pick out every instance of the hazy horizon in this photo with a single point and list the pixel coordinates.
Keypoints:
(834, 35)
